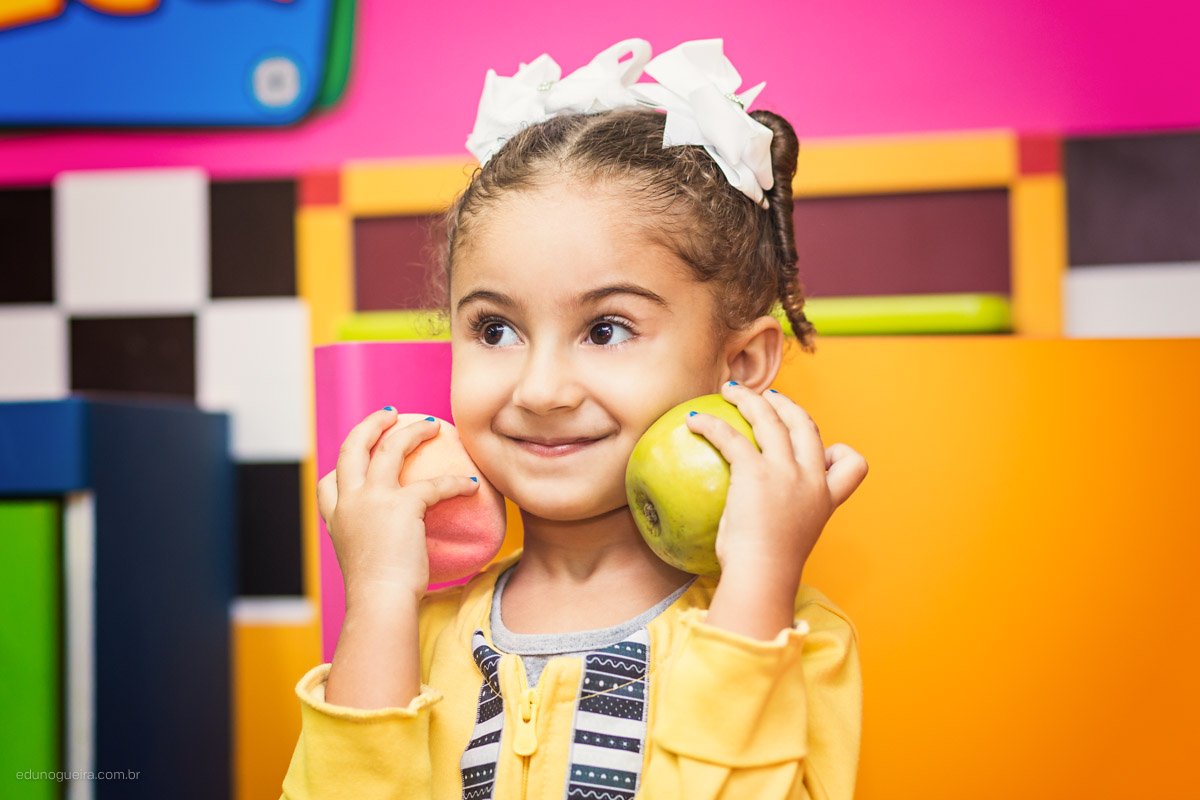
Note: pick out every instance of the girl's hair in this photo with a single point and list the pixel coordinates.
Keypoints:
(677, 195)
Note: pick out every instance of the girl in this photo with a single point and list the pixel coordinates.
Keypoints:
(595, 278)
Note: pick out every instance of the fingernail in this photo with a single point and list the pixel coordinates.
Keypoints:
(733, 383)
(429, 419)
(389, 408)
(773, 391)
(691, 413)
(475, 479)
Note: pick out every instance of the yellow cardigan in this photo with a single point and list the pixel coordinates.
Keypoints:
(728, 716)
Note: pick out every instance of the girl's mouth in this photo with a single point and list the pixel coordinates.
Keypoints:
(554, 450)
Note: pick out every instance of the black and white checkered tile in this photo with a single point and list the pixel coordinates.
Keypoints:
(159, 282)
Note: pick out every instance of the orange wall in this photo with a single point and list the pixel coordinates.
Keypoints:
(268, 661)
(1021, 561)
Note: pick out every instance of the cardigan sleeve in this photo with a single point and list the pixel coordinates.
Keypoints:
(739, 717)
(358, 753)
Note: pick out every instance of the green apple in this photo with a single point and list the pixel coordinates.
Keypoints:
(676, 482)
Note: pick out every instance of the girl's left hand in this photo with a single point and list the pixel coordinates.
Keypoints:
(780, 498)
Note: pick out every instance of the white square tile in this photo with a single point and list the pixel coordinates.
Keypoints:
(131, 241)
(252, 360)
(1135, 301)
(34, 353)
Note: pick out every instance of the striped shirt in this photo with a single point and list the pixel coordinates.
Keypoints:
(609, 731)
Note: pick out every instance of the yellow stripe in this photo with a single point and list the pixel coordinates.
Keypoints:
(324, 268)
(883, 165)
(1038, 239)
(836, 166)
(411, 186)
(325, 282)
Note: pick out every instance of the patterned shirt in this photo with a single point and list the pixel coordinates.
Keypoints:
(609, 732)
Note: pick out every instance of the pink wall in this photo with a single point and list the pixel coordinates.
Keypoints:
(834, 68)
(352, 380)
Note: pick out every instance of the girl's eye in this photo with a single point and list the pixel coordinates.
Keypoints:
(605, 332)
(602, 332)
(490, 329)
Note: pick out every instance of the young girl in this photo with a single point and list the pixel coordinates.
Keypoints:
(599, 272)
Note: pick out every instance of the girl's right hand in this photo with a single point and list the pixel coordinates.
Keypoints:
(377, 525)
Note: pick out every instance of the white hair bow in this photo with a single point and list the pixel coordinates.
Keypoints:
(697, 88)
(536, 93)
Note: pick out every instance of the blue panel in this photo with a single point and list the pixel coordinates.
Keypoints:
(41, 447)
(189, 62)
(164, 489)
(165, 568)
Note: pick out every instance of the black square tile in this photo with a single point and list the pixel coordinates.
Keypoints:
(1133, 199)
(135, 355)
(269, 529)
(253, 238)
(26, 246)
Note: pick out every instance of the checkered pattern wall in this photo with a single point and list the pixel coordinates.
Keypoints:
(160, 282)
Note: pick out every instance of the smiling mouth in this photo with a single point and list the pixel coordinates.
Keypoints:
(554, 450)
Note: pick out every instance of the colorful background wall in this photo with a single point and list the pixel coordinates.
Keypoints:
(998, 224)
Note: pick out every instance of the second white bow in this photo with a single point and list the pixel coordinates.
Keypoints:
(697, 87)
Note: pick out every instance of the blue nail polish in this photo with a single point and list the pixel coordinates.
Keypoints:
(429, 419)
(773, 391)
(733, 383)
(691, 413)
(475, 479)
(389, 408)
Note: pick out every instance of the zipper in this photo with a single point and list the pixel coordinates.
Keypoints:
(525, 743)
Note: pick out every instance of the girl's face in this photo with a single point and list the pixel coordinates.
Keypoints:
(567, 323)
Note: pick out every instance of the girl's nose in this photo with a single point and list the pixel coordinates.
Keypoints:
(547, 381)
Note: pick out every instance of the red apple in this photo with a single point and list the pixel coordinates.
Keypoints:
(463, 534)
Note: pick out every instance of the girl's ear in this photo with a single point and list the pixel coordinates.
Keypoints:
(753, 355)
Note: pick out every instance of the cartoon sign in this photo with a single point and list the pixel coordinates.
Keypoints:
(171, 62)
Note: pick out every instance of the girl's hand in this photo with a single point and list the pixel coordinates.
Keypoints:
(780, 498)
(377, 525)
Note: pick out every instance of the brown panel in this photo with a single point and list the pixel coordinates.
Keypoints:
(1134, 199)
(904, 244)
(139, 355)
(394, 259)
(26, 246)
(253, 238)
